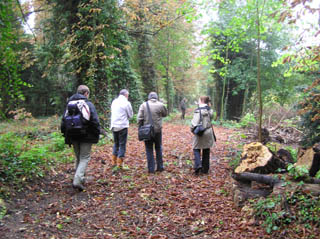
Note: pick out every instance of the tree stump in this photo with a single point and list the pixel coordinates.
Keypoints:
(310, 159)
(257, 158)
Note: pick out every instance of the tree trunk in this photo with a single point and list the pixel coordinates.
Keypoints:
(258, 76)
(146, 65)
(309, 159)
(222, 110)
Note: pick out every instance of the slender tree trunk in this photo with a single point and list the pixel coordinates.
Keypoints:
(222, 110)
(246, 91)
(259, 75)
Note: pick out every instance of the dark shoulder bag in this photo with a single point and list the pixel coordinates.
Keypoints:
(146, 132)
(199, 129)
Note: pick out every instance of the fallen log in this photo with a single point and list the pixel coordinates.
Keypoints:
(242, 192)
(257, 158)
(292, 187)
(265, 179)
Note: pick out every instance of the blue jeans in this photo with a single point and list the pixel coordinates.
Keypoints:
(120, 141)
(204, 164)
(157, 142)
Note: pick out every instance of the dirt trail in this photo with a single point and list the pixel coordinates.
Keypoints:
(131, 203)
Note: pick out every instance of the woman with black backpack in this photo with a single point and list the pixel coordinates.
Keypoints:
(204, 137)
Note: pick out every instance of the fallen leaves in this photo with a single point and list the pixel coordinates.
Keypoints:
(130, 203)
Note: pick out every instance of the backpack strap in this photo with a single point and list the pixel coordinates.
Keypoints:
(149, 113)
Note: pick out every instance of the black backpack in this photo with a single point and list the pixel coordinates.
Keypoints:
(76, 118)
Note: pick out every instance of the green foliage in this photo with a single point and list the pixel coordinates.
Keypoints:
(265, 209)
(298, 172)
(293, 152)
(24, 158)
(303, 208)
(3, 209)
(307, 208)
(10, 82)
(247, 121)
(310, 117)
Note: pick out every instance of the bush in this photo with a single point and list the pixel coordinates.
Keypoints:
(18, 161)
(248, 121)
(274, 214)
(22, 159)
(310, 117)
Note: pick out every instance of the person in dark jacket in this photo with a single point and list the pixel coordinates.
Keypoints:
(82, 144)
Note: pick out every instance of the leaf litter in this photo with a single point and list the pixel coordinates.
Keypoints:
(131, 203)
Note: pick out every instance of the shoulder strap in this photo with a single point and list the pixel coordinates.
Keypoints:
(149, 113)
(200, 115)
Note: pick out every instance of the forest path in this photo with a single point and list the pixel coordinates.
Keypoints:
(132, 203)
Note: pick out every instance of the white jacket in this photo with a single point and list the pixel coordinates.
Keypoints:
(121, 112)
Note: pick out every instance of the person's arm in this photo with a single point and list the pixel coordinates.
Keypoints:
(94, 119)
(164, 111)
(140, 116)
(129, 110)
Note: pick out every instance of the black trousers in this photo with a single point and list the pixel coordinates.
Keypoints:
(203, 163)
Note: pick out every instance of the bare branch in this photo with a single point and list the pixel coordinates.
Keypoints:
(25, 21)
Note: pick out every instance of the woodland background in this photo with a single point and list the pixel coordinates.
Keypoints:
(243, 54)
(257, 59)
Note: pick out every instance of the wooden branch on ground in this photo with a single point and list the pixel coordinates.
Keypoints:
(260, 178)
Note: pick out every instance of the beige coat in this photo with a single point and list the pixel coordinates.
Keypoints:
(206, 140)
(158, 111)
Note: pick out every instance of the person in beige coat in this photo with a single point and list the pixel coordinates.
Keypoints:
(206, 141)
(158, 111)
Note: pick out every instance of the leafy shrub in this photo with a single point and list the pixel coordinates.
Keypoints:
(18, 161)
(310, 115)
(304, 209)
(247, 121)
(298, 172)
(265, 209)
(22, 159)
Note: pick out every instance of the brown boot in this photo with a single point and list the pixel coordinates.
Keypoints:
(114, 160)
(119, 162)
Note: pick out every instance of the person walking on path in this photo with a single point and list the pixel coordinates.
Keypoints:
(183, 107)
(158, 111)
(203, 114)
(82, 143)
(121, 112)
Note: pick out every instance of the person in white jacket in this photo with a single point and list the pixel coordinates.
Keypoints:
(121, 112)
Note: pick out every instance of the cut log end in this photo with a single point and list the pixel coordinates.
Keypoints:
(257, 158)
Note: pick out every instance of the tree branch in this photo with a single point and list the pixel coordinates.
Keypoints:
(25, 21)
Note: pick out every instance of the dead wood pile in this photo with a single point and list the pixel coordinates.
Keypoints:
(258, 174)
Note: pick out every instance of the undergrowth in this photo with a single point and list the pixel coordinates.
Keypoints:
(28, 149)
(296, 209)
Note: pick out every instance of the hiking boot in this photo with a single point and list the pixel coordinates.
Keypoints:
(160, 170)
(114, 160)
(197, 171)
(119, 162)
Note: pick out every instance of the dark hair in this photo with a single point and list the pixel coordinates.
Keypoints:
(205, 99)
